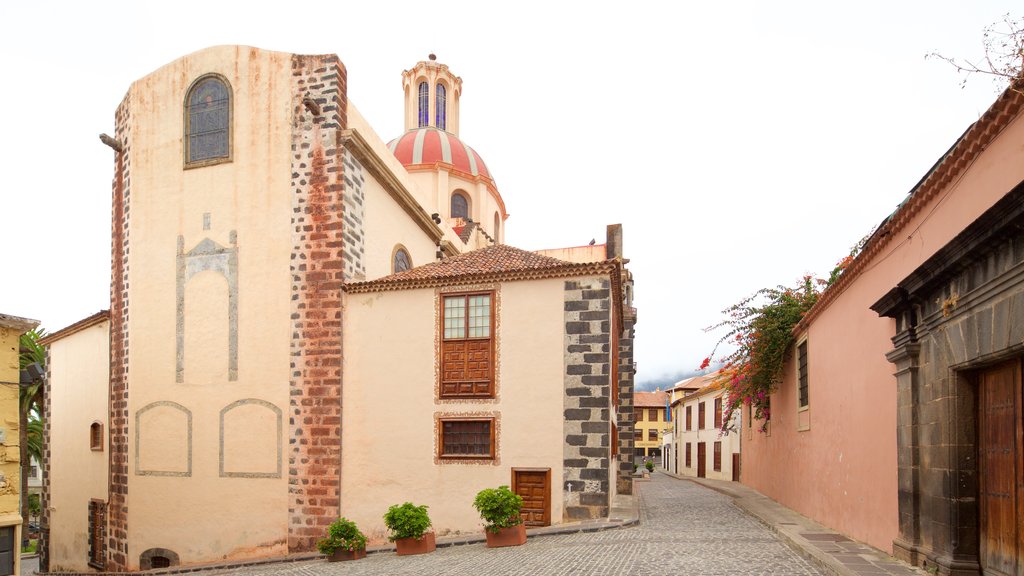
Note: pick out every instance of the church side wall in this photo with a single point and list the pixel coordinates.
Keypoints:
(77, 389)
(391, 404)
(842, 470)
(386, 225)
(208, 329)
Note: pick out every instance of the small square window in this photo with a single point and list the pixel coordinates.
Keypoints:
(466, 438)
(652, 435)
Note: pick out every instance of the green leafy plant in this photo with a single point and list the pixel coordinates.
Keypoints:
(760, 330)
(649, 465)
(635, 467)
(407, 521)
(342, 534)
(499, 507)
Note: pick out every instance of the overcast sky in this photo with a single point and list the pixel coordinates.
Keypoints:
(740, 144)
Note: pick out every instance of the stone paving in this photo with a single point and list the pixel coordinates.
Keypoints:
(685, 529)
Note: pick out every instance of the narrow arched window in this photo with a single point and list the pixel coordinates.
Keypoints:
(497, 228)
(439, 107)
(401, 261)
(208, 122)
(96, 437)
(460, 206)
(424, 104)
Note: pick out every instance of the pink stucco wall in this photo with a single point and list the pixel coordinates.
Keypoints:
(842, 470)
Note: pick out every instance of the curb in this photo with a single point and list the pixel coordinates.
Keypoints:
(444, 542)
(759, 507)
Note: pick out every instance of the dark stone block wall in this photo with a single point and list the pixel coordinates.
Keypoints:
(587, 400)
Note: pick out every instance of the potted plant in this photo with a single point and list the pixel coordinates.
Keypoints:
(344, 541)
(408, 524)
(499, 507)
(649, 465)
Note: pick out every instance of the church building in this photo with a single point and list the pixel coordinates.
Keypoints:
(309, 322)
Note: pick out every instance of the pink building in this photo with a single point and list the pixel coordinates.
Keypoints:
(899, 417)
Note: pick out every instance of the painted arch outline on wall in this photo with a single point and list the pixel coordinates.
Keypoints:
(207, 256)
(170, 452)
(254, 429)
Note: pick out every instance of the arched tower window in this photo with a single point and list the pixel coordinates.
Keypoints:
(460, 206)
(497, 228)
(401, 261)
(439, 107)
(424, 104)
(208, 122)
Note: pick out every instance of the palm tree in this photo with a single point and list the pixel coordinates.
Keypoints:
(31, 403)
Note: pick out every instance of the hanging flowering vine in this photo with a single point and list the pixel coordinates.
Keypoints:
(760, 327)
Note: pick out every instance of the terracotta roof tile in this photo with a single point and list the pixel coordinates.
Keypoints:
(650, 399)
(493, 263)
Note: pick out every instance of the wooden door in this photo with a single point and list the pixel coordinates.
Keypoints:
(534, 486)
(1001, 457)
(702, 459)
(735, 467)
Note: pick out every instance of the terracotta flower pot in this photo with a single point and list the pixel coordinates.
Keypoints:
(342, 555)
(410, 546)
(511, 536)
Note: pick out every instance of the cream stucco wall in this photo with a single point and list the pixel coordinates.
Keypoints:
(389, 404)
(592, 253)
(203, 516)
(79, 380)
(386, 224)
(709, 435)
(841, 471)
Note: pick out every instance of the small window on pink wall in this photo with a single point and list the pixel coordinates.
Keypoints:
(96, 436)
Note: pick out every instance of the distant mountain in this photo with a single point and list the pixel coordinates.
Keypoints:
(666, 381)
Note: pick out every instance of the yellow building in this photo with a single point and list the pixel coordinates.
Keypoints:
(11, 329)
(300, 309)
(650, 415)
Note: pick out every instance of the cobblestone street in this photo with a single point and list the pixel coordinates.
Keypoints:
(685, 529)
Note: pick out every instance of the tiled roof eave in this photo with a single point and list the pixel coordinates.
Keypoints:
(973, 143)
(570, 270)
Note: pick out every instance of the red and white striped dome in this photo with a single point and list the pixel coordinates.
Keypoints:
(428, 146)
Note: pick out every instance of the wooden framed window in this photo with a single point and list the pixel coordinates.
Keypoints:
(638, 434)
(467, 346)
(96, 437)
(718, 412)
(638, 415)
(801, 363)
(652, 414)
(466, 438)
(208, 136)
(718, 457)
(700, 415)
(652, 435)
(689, 461)
(689, 417)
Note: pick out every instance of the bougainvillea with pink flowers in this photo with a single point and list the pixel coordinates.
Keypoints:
(759, 329)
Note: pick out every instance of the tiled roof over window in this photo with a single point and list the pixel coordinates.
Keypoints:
(494, 263)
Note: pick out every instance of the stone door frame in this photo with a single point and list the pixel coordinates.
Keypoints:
(959, 312)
